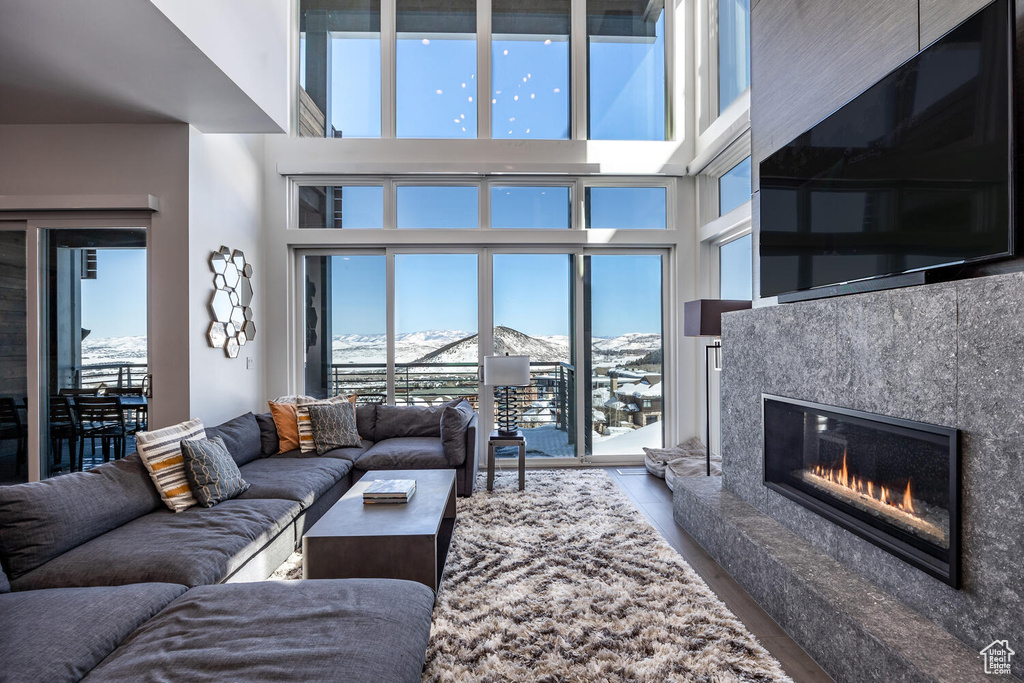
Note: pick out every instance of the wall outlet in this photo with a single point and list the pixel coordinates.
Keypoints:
(250, 362)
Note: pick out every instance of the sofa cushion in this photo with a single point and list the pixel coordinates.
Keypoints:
(282, 411)
(334, 426)
(366, 421)
(269, 443)
(194, 547)
(454, 422)
(300, 479)
(59, 635)
(366, 630)
(160, 451)
(41, 520)
(350, 454)
(212, 473)
(302, 405)
(405, 453)
(395, 421)
(241, 435)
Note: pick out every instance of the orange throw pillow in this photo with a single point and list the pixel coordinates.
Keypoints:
(287, 423)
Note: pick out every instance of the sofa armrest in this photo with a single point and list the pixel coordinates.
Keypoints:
(472, 462)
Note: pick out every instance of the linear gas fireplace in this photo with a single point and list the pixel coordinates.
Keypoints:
(893, 482)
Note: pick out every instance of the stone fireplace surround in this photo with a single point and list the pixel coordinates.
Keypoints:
(950, 354)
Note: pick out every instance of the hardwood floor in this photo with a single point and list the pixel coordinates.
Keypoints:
(653, 497)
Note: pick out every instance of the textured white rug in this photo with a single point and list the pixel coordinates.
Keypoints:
(567, 581)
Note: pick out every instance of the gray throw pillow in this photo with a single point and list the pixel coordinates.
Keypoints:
(334, 426)
(212, 473)
(454, 421)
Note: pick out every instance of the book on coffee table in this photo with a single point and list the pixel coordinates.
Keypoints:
(390, 491)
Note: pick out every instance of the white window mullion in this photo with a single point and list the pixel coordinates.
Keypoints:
(390, 324)
(388, 65)
(485, 333)
(483, 69)
(579, 301)
(578, 72)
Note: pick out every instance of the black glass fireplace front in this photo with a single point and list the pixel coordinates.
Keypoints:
(893, 482)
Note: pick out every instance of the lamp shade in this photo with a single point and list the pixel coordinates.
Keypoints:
(507, 371)
(703, 317)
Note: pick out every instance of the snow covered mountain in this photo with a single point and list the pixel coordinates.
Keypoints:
(112, 350)
(372, 348)
(506, 340)
(630, 346)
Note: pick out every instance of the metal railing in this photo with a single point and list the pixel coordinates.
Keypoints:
(121, 375)
(549, 400)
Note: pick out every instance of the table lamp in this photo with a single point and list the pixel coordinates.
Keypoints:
(505, 373)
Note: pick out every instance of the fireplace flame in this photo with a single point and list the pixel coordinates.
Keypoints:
(841, 476)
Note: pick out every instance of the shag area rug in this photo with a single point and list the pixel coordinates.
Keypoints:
(566, 581)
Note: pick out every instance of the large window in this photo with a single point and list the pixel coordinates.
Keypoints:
(338, 100)
(608, 402)
(734, 187)
(436, 69)
(530, 69)
(733, 50)
(621, 208)
(626, 49)
(735, 269)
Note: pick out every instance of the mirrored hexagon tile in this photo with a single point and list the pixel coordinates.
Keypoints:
(232, 325)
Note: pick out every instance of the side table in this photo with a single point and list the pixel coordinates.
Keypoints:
(496, 440)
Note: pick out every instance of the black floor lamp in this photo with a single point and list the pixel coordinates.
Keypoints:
(703, 318)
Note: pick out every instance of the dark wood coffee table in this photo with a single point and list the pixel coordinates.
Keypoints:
(405, 541)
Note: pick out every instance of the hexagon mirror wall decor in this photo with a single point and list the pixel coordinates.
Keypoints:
(230, 304)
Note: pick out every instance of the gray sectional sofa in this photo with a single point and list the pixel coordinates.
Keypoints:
(101, 582)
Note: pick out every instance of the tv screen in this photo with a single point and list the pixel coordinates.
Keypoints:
(914, 173)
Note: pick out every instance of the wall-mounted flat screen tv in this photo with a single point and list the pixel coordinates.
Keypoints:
(915, 173)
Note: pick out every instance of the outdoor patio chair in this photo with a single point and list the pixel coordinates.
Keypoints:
(102, 417)
(13, 429)
(64, 427)
(136, 414)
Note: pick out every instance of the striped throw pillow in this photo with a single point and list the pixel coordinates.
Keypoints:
(160, 451)
(306, 442)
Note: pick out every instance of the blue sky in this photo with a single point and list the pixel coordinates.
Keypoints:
(439, 292)
(114, 304)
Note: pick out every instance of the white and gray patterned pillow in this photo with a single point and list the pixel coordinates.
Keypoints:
(212, 472)
(334, 426)
(160, 451)
(302, 403)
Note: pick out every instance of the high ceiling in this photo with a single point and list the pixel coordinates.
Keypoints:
(113, 61)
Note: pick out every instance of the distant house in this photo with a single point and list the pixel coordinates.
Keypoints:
(637, 399)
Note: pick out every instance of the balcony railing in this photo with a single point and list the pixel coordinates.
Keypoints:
(121, 375)
(549, 400)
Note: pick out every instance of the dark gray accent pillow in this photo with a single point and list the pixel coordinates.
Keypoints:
(44, 519)
(402, 421)
(454, 421)
(334, 426)
(212, 473)
(366, 420)
(241, 436)
(269, 441)
(5, 585)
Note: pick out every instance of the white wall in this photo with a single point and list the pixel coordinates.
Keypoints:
(247, 39)
(225, 208)
(118, 160)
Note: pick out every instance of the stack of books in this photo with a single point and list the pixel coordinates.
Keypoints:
(389, 491)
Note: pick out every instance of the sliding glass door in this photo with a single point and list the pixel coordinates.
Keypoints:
(624, 354)
(533, 316)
